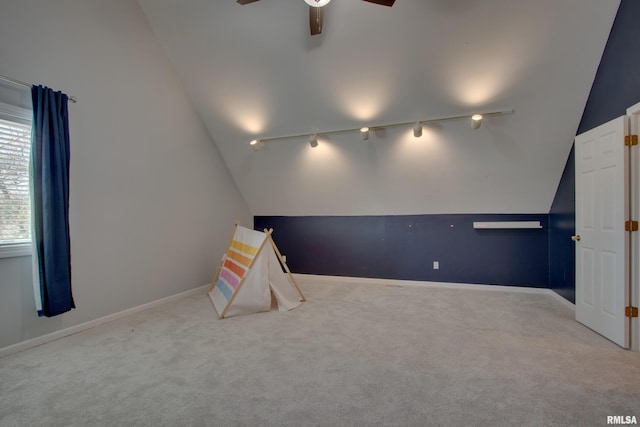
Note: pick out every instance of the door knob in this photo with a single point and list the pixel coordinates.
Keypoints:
(575, 238)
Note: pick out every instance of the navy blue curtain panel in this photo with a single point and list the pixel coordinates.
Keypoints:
(50, 187)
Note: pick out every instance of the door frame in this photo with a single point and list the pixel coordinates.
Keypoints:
(633, 113)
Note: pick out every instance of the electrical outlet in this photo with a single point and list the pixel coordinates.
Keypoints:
(284, 258)
(436, 265)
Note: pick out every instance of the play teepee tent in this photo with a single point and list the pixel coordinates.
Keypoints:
(250, 271)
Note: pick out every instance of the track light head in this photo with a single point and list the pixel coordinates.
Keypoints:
(364, 132)
(476, 121)
(417, 130)
(313, 140)
(317, 3)
(256, 145)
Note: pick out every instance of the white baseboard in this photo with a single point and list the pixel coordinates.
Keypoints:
(313, 278)
(43, 339)
(562, 300)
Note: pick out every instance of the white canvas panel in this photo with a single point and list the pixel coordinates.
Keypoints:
(218, 300)
(283, 290)
(249, 237)
(242, 250)
(253, 295)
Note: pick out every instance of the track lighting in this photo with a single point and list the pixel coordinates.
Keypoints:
(476, 121)
(417, 130)
(364, 132)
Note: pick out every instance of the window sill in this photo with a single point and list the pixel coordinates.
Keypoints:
(15, 250)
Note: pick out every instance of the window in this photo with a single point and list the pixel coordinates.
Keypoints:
(15, 209)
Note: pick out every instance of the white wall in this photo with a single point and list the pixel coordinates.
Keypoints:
(152, 202)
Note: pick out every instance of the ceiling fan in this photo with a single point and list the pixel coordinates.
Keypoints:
(316, 11)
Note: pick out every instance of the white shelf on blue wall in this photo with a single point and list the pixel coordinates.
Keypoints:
(506, 224)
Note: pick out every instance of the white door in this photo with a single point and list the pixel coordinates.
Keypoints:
(602, 251)
(634, 297)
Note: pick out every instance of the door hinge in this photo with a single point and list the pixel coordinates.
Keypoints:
(631, 140)
(631, 311)
(631, 226)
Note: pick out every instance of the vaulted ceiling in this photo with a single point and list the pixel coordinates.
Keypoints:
(254, 71)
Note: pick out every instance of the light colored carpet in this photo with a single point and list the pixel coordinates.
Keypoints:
(354, 355)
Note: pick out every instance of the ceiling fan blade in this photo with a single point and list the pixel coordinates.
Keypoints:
(316, 17)
(382, 2)
(243, 2)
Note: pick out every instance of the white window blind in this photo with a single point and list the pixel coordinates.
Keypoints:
(15, 211)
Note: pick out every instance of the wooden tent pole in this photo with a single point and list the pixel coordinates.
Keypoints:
(226, 307)
(284, 263)
(236, 223)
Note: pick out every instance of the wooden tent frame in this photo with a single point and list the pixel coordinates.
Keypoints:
(250, 266)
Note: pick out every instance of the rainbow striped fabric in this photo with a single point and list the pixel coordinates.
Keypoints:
(243, 249)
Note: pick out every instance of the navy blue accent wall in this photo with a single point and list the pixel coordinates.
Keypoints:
(617, 83)
(615, 88)
(562, 225)
(404, 247)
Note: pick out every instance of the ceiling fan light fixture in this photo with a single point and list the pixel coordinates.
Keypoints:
(317, 3)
